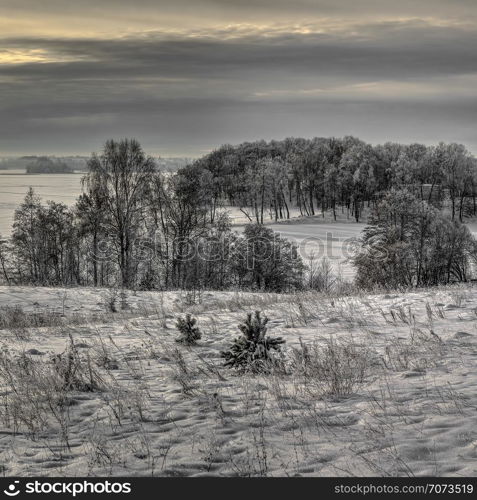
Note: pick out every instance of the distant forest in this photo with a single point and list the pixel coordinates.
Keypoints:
(45, 165)
(136, 226)
(333, 174)
(53, 164)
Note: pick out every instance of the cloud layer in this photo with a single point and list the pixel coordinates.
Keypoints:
(186, 87)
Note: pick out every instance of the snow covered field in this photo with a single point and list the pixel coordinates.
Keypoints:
(396, 392)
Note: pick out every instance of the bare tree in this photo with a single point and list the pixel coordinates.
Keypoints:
(121, 176)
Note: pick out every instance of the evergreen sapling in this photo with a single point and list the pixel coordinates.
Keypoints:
(190, 333)
(254, 350)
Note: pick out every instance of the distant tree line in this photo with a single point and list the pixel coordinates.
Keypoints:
(136, 227)
(45, 165)
(266, 179)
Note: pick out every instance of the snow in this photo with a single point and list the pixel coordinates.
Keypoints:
(320, 237)
(413, 414)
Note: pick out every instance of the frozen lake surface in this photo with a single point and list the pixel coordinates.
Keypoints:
(14, 185)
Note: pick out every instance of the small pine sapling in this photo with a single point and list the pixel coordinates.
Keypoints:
(190, 333)
(254, 350)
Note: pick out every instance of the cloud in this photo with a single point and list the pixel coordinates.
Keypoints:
(87, 16)
(188, 89)
(397, 50)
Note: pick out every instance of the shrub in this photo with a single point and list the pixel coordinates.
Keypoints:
(111, 300)
(320, 275)
(75, 374)
(263, 260)
(254, 350)
(190, 333)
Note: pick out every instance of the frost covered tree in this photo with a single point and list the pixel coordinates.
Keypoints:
(120, 176)
(410, 243)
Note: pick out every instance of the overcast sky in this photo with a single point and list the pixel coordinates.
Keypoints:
(185, 76)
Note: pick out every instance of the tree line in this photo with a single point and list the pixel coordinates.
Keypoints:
(134, 226)
(267, 179)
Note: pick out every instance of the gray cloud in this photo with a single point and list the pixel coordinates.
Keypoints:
(240, 10)
(397, 79)
(385, 51)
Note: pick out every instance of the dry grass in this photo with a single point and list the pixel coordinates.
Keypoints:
(136, 402)
(37, 391)
(337, 368)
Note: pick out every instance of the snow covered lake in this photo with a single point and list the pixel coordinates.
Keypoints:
(14, 185)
